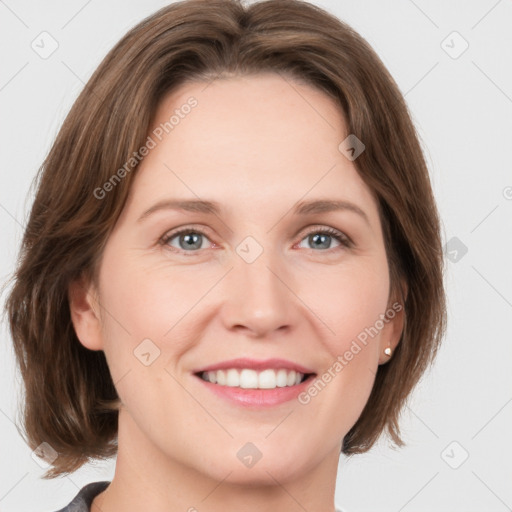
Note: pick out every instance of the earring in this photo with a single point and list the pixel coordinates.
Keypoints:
(388, 351)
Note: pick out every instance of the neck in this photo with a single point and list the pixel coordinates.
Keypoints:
(147, 479)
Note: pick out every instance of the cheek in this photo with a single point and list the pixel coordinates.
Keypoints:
(348, 300)
(148, 298)
(143, 301)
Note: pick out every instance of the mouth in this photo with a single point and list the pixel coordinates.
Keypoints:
(247, 378)
(255, 384)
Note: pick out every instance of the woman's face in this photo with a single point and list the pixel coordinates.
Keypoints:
(256, 279)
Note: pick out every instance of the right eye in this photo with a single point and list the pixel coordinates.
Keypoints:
(188, 240)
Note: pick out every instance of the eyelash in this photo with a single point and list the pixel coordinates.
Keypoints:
(340, 237)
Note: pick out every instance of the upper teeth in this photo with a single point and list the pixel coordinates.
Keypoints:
(251, 379)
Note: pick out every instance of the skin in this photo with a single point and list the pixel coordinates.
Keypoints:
(257, 145)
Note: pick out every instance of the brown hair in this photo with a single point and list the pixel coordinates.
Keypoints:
(70, 400)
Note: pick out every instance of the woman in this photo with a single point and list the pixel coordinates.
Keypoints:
(232, 271)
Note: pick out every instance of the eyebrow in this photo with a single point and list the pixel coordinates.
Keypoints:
(311, 207)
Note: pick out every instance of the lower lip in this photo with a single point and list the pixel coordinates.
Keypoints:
(258, 397)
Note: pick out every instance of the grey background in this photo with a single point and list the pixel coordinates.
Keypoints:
(462, 108)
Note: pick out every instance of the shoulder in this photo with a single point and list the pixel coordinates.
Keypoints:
(82, 501)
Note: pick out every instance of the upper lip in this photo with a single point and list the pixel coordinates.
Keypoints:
(255, 364)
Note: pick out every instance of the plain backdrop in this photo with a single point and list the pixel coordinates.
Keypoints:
(453, 62)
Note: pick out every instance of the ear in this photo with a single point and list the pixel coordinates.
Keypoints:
(394, 324)
(84, 308)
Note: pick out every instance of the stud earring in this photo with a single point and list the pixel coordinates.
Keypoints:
(388, 351)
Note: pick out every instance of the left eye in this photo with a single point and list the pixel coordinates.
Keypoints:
(322, 237)
(189, 239)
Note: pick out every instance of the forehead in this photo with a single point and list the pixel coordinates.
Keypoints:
(250, 141)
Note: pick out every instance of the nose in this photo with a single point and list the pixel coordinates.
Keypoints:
(259, 297)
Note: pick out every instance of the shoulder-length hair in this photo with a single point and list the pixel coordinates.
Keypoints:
(71, 402)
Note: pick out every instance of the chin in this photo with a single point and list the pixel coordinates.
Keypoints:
(266, 470)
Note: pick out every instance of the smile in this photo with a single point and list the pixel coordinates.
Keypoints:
(247, 378)
(256, 397)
